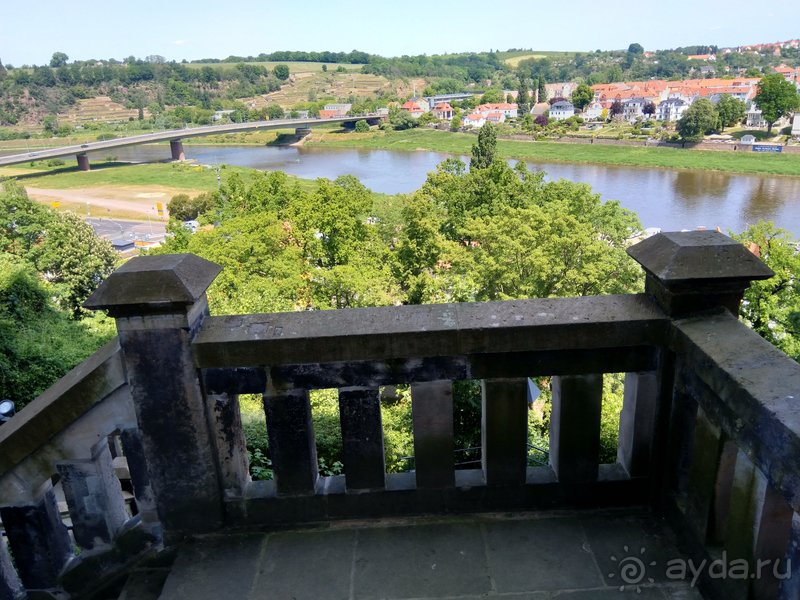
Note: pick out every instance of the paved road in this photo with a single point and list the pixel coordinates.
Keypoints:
(114, 229)
(174, 134)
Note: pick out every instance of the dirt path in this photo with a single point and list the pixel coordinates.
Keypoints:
(138, 200)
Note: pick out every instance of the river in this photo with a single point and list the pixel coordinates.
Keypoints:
(668, 199)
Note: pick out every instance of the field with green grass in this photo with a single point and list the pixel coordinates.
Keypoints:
(666, 158)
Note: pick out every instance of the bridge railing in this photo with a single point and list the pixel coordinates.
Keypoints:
(708, 434)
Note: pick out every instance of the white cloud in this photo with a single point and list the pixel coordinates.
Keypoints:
(176, 43)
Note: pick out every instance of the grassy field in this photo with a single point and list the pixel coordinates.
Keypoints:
(294, 67)
(667, 158)
(122, 181)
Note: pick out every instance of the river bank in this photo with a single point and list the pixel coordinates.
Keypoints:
(633, 156)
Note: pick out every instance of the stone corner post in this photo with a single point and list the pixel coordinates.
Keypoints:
(687, 272)
(159, 303)
(691, 271)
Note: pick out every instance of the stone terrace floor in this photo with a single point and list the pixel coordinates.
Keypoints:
(537, 556)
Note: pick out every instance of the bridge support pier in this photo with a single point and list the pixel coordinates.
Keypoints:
(176, 147)
(302, 131)
(83, 162)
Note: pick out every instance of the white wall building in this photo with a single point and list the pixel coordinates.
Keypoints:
(562, 110)
(473, 120)
(671, 109)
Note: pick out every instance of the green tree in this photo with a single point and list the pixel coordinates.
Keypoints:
(73, 259)
(700, 118)
(50, 124)
(274, 111)
(636, 49)
(324, 68)
(542, 90)
(772, 307)
(523, 97)
(582, 96)
(183, 208)
(731, 111)
(402, 120)
(492, 96)
(59, 60)
(485, 150)
(753, 73)
(362, 126)
(455, 123)
(776, 98)
(281, 72)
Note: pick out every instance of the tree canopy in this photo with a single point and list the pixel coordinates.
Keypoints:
(281, 72)
(582, 96)
(484, 151)
(731, 111)
(699, 119)
(776, 98)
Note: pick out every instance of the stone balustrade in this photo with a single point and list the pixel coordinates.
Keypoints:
(709, 435)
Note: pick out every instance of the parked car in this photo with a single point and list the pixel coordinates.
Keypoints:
(84, 145)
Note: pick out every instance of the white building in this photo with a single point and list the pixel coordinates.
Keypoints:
(671, 109)
(342, 109)
(748, 139)
(473, 120)
(796, 126)
(562, 110)
(754, 117)
(443, 110)
(594, 111)
(496, 117)
(633, 109)
(509, 110)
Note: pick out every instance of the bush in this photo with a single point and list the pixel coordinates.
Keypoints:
(55, 162)
(362, 126)
(541, 120)
(183, 208)
(111, 158)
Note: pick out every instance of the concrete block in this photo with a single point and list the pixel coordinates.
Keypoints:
(637, 422)
(291, 441)
(575, 427)
(362, 438)
(38, 539)
(432, 414)
(504, 430)
(94, 498)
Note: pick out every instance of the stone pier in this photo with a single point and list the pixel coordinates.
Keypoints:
(83, 162)
(176, 147)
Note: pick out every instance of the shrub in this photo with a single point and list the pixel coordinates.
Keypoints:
(55, 162)
(541, 120)
(362, 126)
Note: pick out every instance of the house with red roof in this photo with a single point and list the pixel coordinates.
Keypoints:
(443, 110)
(474, 120)
(509, 110)
(327, 114)
(495, 117)
(413, 109)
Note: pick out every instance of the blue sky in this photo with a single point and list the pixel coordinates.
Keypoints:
(30, 31)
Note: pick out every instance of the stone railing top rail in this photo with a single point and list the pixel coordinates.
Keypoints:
(429, 330)
(64, 402)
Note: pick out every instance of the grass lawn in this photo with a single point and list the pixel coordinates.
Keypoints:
(668, 158)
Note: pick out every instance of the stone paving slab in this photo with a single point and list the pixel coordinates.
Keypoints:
(538, 556)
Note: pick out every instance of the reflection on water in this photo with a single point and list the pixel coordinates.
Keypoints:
(671, 200)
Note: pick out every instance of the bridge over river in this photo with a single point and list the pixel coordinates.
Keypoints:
(175, 137)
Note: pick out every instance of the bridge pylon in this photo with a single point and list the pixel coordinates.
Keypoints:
(176, 147)
(83, 161)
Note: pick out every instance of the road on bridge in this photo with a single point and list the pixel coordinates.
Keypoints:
(175, 135)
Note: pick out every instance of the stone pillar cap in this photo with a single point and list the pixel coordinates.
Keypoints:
(681, 259)
(154, 284)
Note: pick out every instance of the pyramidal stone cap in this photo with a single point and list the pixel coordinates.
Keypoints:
(154, 284)
(684, 259)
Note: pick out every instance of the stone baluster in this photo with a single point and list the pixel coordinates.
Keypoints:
(10, 585)
(38, 539)
(362, 438)
(94, 497)
(140, 479)
(575, 427)
(504, 431)
(636, 422)
(234, 465)
(159, 303)
(292, 446)
(432, 417)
